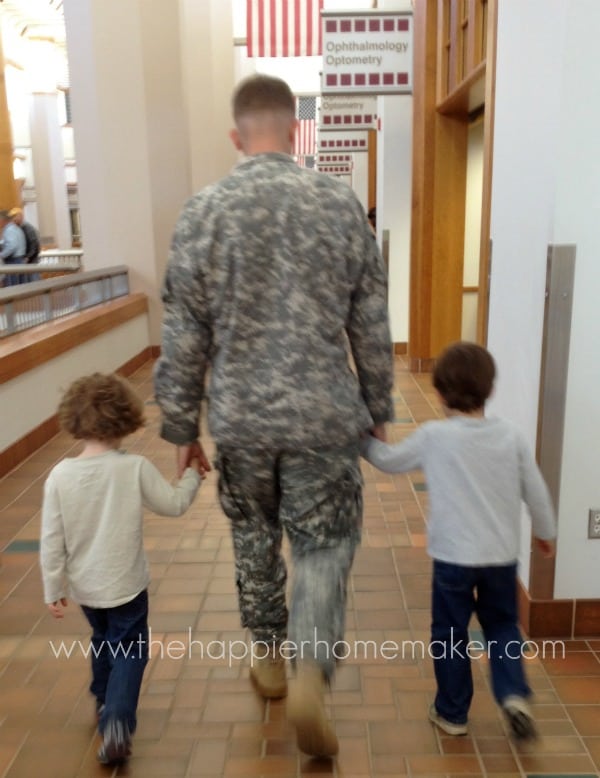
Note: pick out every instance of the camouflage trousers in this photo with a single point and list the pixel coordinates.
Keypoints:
(316, 497)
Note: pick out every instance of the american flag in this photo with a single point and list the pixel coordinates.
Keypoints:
(305, 143)
(283, 28)
(307, 161)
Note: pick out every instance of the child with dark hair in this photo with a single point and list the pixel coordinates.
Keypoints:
(91, 536)
(478, 470)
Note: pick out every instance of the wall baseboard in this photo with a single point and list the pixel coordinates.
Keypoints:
(558, 618)
(420, 365)
(12, 456)
(400, 349)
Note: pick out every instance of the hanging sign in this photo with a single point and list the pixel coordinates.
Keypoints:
(343, 141)
(348, 113)
(324, 159)
(369, 52)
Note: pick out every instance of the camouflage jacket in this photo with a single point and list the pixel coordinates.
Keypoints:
(273, 271)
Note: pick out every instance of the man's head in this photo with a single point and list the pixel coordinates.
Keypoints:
(264, 115)
(16, 214)
(464, 376)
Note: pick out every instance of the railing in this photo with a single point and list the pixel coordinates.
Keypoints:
(28, 305)
(71, 258)
(54, 262)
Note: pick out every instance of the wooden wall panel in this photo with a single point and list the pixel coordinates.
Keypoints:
(9, 193)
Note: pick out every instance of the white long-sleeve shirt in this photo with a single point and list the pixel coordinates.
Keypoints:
(478, 470)
(92, 533)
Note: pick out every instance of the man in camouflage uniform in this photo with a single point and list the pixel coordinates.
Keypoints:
(273, 272)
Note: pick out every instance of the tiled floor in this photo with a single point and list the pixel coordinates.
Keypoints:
(198, 713)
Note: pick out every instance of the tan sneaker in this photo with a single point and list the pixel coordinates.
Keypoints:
(306, 711)
(449, 727)
(268, 675)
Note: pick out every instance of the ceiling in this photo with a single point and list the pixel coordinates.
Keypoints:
(36, 18)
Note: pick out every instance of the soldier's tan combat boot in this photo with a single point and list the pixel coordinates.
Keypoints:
(268, 675)
(306, 711)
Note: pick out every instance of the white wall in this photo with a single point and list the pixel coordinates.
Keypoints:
(577, 221)
(360, 177)
(394, 193)
(546, 190)
(474, 192)
(104, 353)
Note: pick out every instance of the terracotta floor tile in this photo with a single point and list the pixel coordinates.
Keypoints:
(241, 707)
(269, 765)
(209, 758)
(557, 764)
(464, 764)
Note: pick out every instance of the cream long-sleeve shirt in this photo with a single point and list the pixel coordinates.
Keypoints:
(92, 518)
(478, 470)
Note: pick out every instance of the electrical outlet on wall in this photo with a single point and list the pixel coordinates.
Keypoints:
(594, 523)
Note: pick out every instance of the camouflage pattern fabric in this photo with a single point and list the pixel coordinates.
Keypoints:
(273, 279)
(316, 496)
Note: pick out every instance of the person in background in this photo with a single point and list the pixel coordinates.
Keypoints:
(273, 271)
(92, 538)
(13, 248)
(478, 471)
(32, 236)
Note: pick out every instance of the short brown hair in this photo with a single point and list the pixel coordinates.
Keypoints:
(464, 376)
(260, 93)
(100, 407)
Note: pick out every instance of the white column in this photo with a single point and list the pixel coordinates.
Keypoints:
(49, 171)
(151, 86)
(394, 193)
(209, 77)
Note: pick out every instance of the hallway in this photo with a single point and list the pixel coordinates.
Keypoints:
(199, 715)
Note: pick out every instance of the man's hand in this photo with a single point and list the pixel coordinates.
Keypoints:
(185, 455)
(56, 609)
(379, 433)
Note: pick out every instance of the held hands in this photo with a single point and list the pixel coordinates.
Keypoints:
(192, 456)
(56, 609)
(379, 432)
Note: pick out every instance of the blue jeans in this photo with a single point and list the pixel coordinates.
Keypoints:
(12, 279)
(119, 656)
(491, 593)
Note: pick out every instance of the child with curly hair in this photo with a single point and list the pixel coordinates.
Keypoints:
(92, 538)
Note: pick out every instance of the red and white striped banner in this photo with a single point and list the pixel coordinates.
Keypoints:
(284, 28)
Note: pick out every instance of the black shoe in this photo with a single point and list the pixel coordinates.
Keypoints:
(519, 718)
(116, 745)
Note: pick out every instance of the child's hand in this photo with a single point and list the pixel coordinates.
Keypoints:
(56, 609)
(197, 465)
(379, 432)
(547, 547)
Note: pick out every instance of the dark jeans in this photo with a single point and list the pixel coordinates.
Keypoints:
(11, 278)
(491, 593)
(119, 656)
